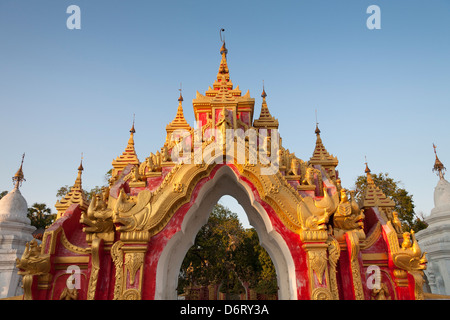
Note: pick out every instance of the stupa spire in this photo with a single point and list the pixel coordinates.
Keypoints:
(223, 67)
(132, 132)
(19, 176)
(320, 155)
(373, 196)
(80, 171)
(266, 120)
(223, 75)
(74, 196)
(129, 156)
(368, 174)
(179, 122)
(438, 165)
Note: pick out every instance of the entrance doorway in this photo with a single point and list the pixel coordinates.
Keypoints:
(227, 262)
(225, 182)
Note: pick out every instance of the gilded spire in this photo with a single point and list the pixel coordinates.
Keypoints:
(19, 176)
(80, 170)
(317, 131)
(264, 94)
(223, 76)
(374, 196)
(266, 120)
(132, 130)
(368, 174)
(223, 49)
(129, 156)
(438, 165)
(74, 196)
(179, 123)
(320, 155)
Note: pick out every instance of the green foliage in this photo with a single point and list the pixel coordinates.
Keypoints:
(404, 204)
(62, 192)
(225, 253)
(40, 215)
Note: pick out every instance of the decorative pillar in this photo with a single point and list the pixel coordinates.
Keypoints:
(128, 255)
(316, 250)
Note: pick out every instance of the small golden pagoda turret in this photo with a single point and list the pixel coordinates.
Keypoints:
(179, 123)
(375, 197)
(266, 120)
(129, 156)
(323, 158)
(74, 196)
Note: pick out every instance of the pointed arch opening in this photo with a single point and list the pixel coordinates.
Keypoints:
(224, 182)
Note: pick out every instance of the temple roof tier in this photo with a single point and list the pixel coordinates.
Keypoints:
(129, 156)
(320, 155)
(266, 120)
(74, 196)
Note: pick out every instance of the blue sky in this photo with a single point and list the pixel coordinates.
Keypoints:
(383, 94)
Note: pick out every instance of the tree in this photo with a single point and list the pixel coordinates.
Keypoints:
(40, 215)
(3, 193)
(210, 258)
(404, 204)
(225, 253)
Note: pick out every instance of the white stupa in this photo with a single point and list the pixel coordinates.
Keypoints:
(15, 231)
(435, 239)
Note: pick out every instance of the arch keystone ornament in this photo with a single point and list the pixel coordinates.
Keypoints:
(129, 241)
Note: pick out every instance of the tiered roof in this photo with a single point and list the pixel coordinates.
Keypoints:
(265, 120)
(74, 196)
(320, 155)
(180, 121)
(129, 156)
(373, 196)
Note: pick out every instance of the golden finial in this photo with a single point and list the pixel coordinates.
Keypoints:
(223, 50)
(367, 171)
(132, 128)
(263, 94)
(80, 168)
(317, 125)
(438, 165)
(181, 97)
(367, 167)
(19, 177)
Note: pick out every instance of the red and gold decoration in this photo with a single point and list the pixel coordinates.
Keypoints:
(340, 249)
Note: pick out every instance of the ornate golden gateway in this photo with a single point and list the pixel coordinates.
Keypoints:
(119, 239)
